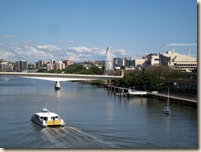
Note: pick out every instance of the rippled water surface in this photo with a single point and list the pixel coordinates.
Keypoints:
(93, 118)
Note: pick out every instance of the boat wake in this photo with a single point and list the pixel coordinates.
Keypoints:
(70, 137)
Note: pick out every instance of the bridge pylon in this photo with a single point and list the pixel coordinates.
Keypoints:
(57, 85)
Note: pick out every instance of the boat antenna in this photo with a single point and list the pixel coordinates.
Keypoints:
(45, 105)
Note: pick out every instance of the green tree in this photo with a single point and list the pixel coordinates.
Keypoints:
(74, 68)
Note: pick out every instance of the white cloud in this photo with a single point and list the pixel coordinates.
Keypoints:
(71, 42)
(6, 55)
(30, 52)
(36, 53)
(83, 49)
(85, 53)
(72, 56)
(50, 48)
(80, 49)
(121, 52)
(99, 52)
(7, 36)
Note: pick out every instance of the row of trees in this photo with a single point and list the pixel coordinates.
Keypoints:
(152, 78)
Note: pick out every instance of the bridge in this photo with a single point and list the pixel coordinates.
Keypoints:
(62, 77)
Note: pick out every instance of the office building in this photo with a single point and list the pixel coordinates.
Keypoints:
(178, 61)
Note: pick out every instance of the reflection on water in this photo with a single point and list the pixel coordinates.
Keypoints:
(93, 118)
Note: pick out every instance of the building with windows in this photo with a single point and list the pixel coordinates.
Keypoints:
(67, 62)
(153, 59)
(178, 61)
(5, 65)
(50, 66)
(127, 63)
(139, 63)
(59, 65)
(40, 64)
(118, 63)
(21, 65)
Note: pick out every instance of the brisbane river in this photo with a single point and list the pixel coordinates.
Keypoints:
(94, 118)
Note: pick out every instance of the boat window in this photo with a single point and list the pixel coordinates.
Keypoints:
(44, 110)
(53, 118)
(41, 118)
(45, 118)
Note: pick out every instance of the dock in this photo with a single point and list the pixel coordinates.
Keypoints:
(127, 92)
(174, 99)
(121, 91)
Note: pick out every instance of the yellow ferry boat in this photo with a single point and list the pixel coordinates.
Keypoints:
(46, 118)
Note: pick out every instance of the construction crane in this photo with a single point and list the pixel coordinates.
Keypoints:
(174, 45)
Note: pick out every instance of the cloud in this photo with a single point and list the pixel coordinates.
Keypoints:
(121, 52)
(28, 52)
(99, 52)
(36, 53)
(71, 42)
(33, 52)
(83, 53)
(72, 56)
(7, 36)
(94, 53)
(87, 50)
(6, 54)
(50, 48)
(80, 49)
(24, 43)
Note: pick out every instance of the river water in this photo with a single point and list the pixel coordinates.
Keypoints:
(93, 118)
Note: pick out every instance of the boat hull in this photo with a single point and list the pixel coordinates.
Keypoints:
(43, 124)
(166, 110)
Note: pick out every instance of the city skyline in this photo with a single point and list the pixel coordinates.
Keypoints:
(82, 30)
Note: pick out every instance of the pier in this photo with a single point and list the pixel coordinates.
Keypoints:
(174, 99)
(127, 92)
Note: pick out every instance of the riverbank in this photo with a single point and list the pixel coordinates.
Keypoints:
(127, 92)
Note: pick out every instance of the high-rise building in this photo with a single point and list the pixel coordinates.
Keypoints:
(67, 62)
(59, 65)
(50, 66)
(21, 65)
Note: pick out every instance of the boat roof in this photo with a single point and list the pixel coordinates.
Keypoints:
(45, 113)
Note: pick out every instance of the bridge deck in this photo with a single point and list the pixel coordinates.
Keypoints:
(61, 77)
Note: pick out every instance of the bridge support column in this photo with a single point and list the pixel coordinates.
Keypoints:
(57, 85)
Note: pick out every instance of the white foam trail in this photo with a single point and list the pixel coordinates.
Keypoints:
(66, 137)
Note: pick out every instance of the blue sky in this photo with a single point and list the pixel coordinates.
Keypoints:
(83, 29)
